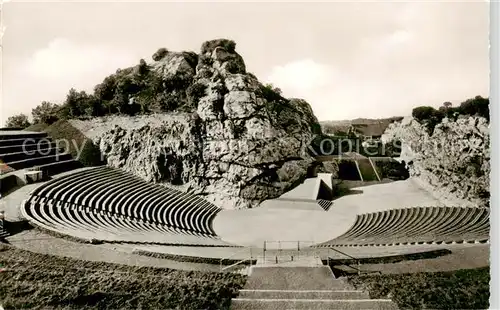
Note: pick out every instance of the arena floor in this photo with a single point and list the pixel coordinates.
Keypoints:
(269, 222)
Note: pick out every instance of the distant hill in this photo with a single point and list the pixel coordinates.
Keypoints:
(364, 126)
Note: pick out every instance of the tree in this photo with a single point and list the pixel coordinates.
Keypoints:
(45, 112)
(423, 113)
(447, 104)
(17, 121)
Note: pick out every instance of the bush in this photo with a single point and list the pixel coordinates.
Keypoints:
(428, 116)
(392, 169)
(17, 121)
(209, 46)
(194, 93)
(160, 54)
(35, 280)
(460, 289)
(271, 93)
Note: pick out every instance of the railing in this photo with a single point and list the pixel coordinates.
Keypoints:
(240, 262)
(295, 249)
(356, 260)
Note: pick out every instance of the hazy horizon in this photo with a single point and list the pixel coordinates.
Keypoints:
(348, 60)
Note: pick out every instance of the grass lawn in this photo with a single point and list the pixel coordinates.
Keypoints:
(39, 281)
(460, 289)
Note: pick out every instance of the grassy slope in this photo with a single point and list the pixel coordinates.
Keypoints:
(39, 281)
(72, 140)
(37, 127)
(460, 289)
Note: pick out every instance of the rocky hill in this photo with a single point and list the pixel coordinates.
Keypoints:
(452, 161)
(227, 137)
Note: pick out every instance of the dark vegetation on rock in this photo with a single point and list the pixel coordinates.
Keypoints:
(40, 281)
(460, 289)
(430, 117)
(449, 156)
(393, 170)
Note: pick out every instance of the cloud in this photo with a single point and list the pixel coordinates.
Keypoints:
(52, 70)
(301, 76)
(68, 62)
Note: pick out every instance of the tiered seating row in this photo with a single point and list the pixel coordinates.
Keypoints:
(86, 223)
(26, 150)
(111, 200)
(417, 225)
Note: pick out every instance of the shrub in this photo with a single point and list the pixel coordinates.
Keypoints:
(232, 67)
(160, 54)
(271, 93)
(194, 92)
(206, 60)
(460, 289)
(209, 46)
(17, 121)
(45, 281)
(392, 169)
(428, 116)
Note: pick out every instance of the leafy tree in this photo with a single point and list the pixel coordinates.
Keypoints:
(476, 106)
(45, 112)
(423, 113)
(17, 121)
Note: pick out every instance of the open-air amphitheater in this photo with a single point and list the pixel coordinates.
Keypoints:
(286, 246)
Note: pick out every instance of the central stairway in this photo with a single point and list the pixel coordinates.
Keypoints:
(303, 283)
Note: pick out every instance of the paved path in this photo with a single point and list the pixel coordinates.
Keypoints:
(39, 242)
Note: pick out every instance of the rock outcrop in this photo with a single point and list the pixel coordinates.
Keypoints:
(453, 163)
(239, 144)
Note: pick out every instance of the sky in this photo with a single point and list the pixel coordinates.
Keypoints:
(347, 59)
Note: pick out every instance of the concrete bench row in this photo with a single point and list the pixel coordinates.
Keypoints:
(106, 189)
(85, 223)
(26, 150)
(417, 225)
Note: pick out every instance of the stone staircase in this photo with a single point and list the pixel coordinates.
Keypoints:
(303, 283)
(3, 232)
